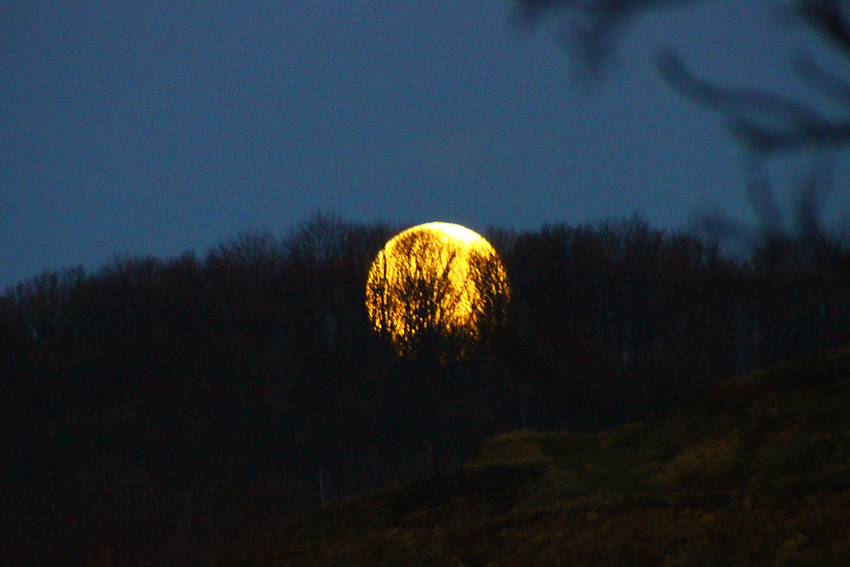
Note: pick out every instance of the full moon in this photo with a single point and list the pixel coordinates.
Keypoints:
(437, 287)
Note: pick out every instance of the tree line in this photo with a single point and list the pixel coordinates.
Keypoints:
(256, 365)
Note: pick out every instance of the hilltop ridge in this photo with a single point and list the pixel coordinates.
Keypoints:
(756, 473)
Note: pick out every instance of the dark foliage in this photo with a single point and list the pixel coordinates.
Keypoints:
(187, 402)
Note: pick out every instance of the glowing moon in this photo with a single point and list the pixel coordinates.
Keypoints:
(437, 285)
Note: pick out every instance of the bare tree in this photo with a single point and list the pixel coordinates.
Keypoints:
(419, 300)
(765, 124)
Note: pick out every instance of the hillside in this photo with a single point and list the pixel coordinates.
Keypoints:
(181, 411)
(757, 473)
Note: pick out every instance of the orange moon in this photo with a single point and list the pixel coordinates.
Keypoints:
(437, 283)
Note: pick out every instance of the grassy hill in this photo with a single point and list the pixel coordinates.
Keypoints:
(757, 473)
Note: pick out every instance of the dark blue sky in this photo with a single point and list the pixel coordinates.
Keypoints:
(159, 127)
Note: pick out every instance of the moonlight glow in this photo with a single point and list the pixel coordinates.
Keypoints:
(436, 284)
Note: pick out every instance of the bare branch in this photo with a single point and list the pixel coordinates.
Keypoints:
(735, 101)
(811, 192)
(765, 123)
(596, 26)
(824, 81)
(828, 18)
(796, 138)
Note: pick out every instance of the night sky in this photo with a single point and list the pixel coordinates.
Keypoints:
(152, 128)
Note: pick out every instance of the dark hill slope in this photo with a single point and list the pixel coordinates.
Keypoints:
(758, 473)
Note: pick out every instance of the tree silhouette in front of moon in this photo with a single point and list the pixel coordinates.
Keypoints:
(437, 289)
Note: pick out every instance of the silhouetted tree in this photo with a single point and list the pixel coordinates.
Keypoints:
(434, 299)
